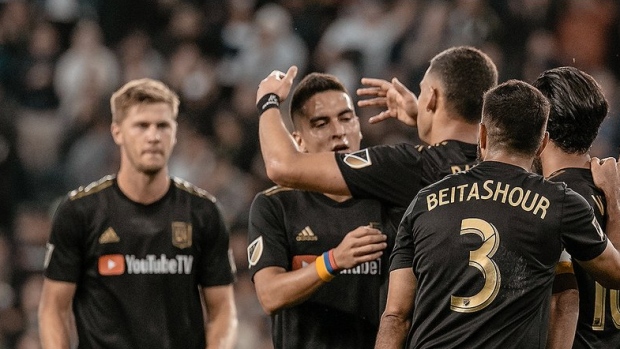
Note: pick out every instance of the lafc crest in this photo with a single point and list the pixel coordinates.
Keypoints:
(181, 234)
(358, 159)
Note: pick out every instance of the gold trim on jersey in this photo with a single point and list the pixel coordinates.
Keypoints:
(109, 236)
(275, 189)
(192, 189)
(181, 234)
(306, 235)
(92, 188)
(598, 200)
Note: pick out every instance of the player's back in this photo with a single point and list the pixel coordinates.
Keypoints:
(485, 244)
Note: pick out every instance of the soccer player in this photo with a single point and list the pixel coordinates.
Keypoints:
(578, 108)
(476, 252)
(446, 113)
(318, 262)
(135, 254)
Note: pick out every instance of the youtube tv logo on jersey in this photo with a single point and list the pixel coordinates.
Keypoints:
(111, 264)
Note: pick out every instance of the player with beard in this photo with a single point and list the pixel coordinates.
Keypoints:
(135, 255)
(318, 261)
(485, 242)
(578, 108)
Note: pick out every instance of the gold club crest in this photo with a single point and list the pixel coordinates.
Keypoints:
(181, 234)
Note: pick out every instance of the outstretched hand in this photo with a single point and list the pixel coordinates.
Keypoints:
(606, 175)
(277, 82)
(361, 245)
(399, 101)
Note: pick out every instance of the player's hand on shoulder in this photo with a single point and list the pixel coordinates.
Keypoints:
(277, 82)
(606, 174)
(400, 103)
(360, 245)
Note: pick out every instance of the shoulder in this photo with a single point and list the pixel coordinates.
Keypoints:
(92, 188)
(278, 194)
(192, 189)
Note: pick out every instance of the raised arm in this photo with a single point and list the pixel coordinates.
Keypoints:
(284, 163)
(221, 326)
(277, 288)
(55, 317)
(400, 103)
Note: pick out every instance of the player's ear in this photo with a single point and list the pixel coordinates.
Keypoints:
(115, 129)
(299, 141)
(431, 106)
(482, 139)
(543, 144)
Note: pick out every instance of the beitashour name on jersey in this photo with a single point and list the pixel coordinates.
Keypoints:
(152, 264)
(490, 190)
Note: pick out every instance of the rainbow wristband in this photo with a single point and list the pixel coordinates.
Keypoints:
(332, 260)
(322, 268)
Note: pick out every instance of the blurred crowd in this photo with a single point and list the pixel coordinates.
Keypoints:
(60, 60)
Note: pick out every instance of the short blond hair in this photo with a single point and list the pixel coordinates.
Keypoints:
(139, 92)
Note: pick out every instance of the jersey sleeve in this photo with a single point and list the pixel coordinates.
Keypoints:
(267, 241)
(402, 254)
(64, 255)
(388, 173)
(582, 235)
(216, 262)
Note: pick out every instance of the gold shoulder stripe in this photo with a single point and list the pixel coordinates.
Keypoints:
(192, 189)
(92, 188)
(275, 189)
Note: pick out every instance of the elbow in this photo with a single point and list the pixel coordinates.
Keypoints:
(279, 172)
(269, 304)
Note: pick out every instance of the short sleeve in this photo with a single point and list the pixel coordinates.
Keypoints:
(216, 262)
(64, 255)
(402, 254)
(267, 241)
(582, 235)
(390, 174)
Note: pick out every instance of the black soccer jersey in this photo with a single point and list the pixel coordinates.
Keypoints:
(598, 325)
(138, 268)
(483, 245)
(289, 229)
(394, 174)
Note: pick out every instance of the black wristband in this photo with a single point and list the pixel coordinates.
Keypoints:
(268, 101)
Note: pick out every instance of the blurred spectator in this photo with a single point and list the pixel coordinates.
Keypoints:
(270, 44)
(139, 59)
(369, 28)
(87, 70)
(36, 74)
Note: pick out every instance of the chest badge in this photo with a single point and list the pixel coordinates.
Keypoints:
(181, 234)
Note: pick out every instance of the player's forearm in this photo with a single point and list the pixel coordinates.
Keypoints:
(222, 328)
(288, 288)
(613, 216)
(563, 322)
(392, 332)
(54, 329)
(277, 146)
